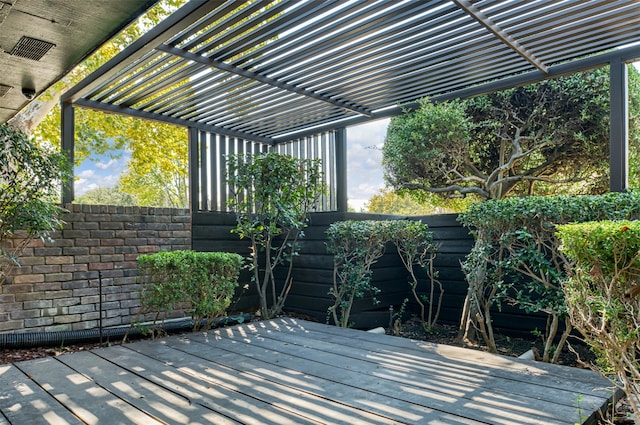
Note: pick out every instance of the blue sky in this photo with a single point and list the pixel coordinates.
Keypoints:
(364, 174)
(100, 171)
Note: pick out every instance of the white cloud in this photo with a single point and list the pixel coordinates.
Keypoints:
(364, 162)
(113, 163)
(83, 186)
(99, 172)
(86, 174)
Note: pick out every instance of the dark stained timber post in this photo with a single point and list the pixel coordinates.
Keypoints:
(194, 182)
(619, 122)
(68, 146)
(341, 169)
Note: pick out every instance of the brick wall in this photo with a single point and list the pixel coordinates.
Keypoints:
(57, 285)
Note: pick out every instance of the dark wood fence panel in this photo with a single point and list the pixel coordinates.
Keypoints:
(455, 243)
(313, 269)
(313, 272)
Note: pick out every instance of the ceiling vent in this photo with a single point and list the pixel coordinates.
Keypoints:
(4, 90)
(31, 48)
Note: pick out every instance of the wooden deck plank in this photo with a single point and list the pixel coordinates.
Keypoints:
(83, 397)
(156, 401)
(289, 371)
(176, 372)
(260, 382)
(567, 376)
(454, 400)
(565, 390)
(338, 396)
(585, 383)
(414, 370)
(24, 402)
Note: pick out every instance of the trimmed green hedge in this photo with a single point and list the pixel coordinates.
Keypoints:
(603, 296)
(202, 282)
(516, 257)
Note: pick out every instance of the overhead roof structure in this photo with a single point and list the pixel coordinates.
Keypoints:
(275, 70)
(42, 40)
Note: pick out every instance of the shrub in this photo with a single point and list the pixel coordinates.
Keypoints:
(516, 257)
(357, 245)
(271, 195)
(202, 282)
(603, 296)
(30, 177)
(415, 246)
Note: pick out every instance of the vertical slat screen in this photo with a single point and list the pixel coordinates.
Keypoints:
(211, 165)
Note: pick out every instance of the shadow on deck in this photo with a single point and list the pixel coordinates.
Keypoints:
(290, 371)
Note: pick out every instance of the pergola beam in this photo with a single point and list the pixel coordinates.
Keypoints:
(170, 120)
(177, 22)
(477, 14)
(261, 78)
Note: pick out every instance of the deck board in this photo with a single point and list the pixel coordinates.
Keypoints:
(289, 371)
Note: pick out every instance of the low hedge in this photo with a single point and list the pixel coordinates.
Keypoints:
(202, 282)
(603, 296)
(516, 256)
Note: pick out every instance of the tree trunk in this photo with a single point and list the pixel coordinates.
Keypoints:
(28, 119)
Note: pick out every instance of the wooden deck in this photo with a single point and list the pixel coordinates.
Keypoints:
(290, 371)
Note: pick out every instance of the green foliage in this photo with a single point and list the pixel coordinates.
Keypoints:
(201, 282)
(603, 296)
(415, 246)
(413, 203)
(106, 196)
(634, 126)
(414, 142)
(271, 195)
(535, 139)
(516, 257)
(357, 246)
(30, 178)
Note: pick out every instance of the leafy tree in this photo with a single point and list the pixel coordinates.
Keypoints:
(107, 196)
(414, 203)
(158, 169)
(523, 140)
(30, 177)
(271, 195)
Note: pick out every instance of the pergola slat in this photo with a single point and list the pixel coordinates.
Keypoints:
(269, 71)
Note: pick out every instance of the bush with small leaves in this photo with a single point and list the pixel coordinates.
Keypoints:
(30, 178)
(201, 282)
(415, 246)
(603, 296)
(356, 246)
(516, 258)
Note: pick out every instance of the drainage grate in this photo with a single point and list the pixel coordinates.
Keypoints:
(4, 89)
(31, 48)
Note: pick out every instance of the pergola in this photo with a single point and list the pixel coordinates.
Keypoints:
(291, 75)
